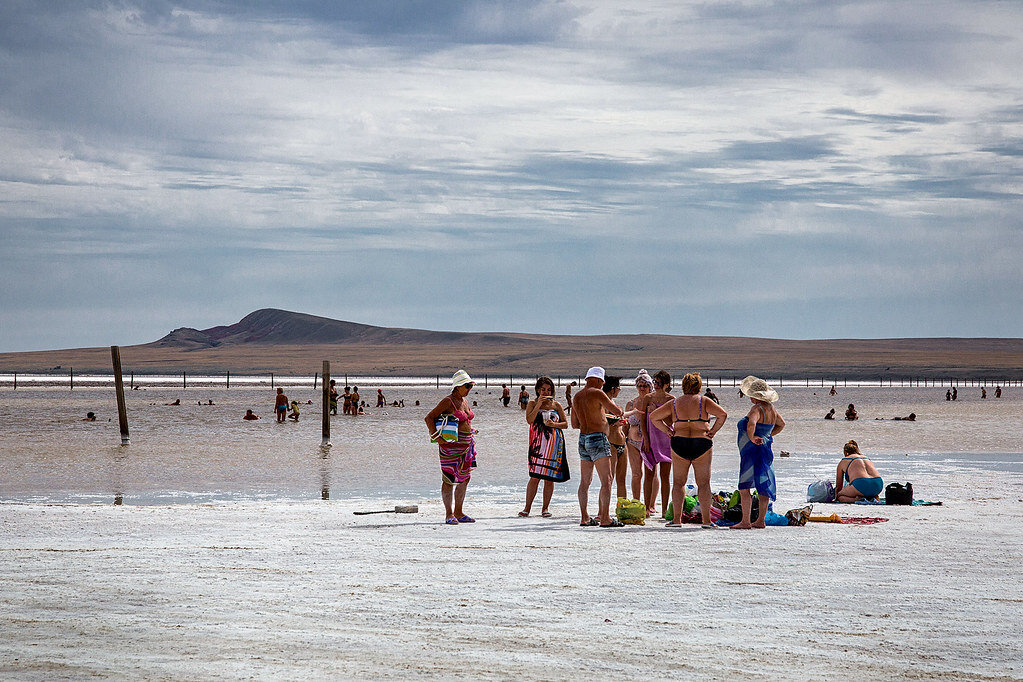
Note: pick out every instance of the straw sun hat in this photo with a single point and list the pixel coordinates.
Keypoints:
(755, 388)
(461, 378)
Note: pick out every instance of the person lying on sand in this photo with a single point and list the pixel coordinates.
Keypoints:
(856, 476)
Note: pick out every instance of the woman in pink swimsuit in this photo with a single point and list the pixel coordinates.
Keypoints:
(457, 458)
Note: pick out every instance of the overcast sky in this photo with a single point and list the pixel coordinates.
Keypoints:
(800, 169)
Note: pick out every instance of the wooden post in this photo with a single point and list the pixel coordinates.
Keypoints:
(486, 381)
(325, 423)
(229, 379)
(132, 381)
(438, 381)
(15, 381)
(72, 378)
(184, 380)
(271, 379)
(122, 411)
(316, 375)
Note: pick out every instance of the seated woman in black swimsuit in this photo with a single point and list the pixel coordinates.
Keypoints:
(687, 419)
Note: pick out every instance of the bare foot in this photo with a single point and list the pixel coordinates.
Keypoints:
(741, 526)
(761, 524)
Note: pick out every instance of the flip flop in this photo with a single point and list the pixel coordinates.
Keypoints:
(466, 519)
(523, 514)
(672, 524)
(591, 522)
(546, 515)
(614, 524)
(452, 521)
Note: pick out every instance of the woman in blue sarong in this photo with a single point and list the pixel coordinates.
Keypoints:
(756, 433)
(547, 461)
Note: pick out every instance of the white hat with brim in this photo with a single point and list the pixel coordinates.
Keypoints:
(461, 378)
(595, 373)
(753, 387)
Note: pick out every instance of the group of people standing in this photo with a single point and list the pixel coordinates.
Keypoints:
(350, 400)
(661, 436)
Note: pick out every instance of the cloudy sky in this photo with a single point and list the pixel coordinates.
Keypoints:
(795, 169)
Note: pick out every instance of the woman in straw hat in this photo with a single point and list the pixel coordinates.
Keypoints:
(458, 457)
(756, 433)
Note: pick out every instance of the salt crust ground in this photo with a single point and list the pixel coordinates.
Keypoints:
(273, 590)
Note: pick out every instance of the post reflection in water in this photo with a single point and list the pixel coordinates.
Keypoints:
(324, 473)
(118, 463)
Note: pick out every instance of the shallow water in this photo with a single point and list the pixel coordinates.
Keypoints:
(195, 453)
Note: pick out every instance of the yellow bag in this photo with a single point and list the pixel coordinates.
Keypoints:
(631, 512)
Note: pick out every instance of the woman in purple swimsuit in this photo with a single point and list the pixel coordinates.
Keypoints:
(656, 448)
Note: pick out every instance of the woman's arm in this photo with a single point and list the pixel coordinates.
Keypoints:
(751, 426)
(779, 423)
(562, 422)
(435, 413)
(531, 409)
(838, 479)
(719, 414)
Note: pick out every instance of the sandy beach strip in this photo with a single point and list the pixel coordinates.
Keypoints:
(275, 590)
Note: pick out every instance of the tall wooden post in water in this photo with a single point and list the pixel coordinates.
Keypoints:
(122, 411)
(326, 404)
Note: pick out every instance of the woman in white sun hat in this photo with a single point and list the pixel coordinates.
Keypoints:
(756, 433)
(458, 457)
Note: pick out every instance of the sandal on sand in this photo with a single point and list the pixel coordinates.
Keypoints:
(452, 521)
(466, 519)
(708, 526)
(591, 522)
(614, 524)
(546, 515)
(523, 514)
(673, 524)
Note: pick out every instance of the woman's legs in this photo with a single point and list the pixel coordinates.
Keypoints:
(447, 491)
(665, 468)
(620, 471)
(701, 470)
(548, 493)
(530, 494)
(636, 464)
(680, 474)
(459, 498)
(747, 508)
(650, 489)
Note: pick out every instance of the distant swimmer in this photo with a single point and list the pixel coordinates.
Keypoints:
(294, 411)
(176, 402)
(998, 392)
(948, 394)
(850, 414)
(955, 393)
(355, 401)
(380, 397)
(332, 398)
(523, 398)
(505, 395)
(568, 397)
(830, 415)
(347, 397)
(710, 394)
(910, 418)
(983, 393)
(833, 391)
(89, 417)
(281, 405)
(250, 415)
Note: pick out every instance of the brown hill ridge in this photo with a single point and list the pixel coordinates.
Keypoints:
(280, 341)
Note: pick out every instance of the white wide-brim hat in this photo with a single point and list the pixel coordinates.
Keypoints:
(755, 388)
(595, 373)
(461, 378)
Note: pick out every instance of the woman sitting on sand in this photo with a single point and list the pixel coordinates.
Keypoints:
(686, 420)
(457, 458)
(856, 477)
(547, 461)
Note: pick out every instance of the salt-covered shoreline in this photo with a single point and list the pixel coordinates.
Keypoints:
(273, 590)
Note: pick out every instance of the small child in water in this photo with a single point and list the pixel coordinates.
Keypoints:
(294, 411)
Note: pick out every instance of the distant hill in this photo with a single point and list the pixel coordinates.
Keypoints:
(280, 341)
(271, 326)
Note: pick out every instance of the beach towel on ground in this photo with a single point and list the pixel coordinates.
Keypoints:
(547, 459)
